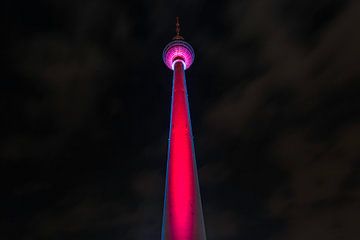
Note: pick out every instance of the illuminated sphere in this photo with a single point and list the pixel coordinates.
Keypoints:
(178, 50)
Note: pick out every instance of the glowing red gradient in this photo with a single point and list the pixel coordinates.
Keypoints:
(182, 212)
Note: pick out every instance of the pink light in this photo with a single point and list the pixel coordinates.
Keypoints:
(178, 50)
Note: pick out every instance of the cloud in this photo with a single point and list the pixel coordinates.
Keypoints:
(304, 74)
(89, 210)
(302, 106)
(277, 144)
(222, 225)
(316, 197)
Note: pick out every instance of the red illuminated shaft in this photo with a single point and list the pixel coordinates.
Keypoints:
(183, 218)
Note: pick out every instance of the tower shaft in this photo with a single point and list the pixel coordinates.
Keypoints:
(183, 218)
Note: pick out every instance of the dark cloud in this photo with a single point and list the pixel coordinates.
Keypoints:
(308, 92)
(274, 101)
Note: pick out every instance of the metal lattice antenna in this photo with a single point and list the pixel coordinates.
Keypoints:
(178, 36)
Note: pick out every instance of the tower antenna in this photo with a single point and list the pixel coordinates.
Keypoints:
(178, 36)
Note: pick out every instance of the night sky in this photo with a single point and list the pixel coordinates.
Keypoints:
(85, 108)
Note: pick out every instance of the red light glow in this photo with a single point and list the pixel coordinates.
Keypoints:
(183, 213)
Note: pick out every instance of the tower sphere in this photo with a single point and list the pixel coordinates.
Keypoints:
(178, 50)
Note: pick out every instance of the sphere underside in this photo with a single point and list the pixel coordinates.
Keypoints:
(178, 50)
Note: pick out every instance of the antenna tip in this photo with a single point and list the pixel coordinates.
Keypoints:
(178, 37)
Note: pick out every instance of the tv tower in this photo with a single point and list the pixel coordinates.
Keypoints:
(182, 216)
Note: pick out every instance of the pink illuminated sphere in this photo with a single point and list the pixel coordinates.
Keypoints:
(178, 50)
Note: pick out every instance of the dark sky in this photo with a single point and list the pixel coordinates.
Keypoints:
(85, 106)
